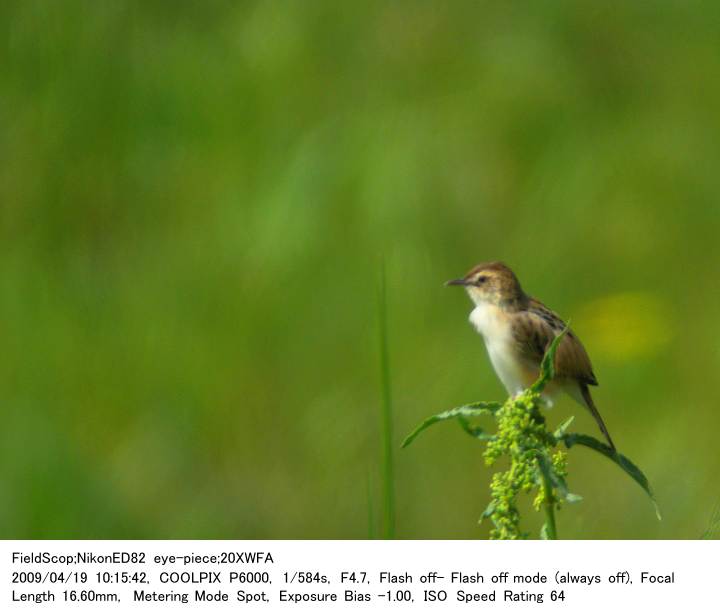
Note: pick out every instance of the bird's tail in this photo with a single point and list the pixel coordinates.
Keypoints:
(585, 391)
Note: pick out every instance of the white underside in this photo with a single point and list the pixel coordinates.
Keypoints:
(496, 332)
(495, 329)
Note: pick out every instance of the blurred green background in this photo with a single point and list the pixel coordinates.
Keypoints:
(195, 201)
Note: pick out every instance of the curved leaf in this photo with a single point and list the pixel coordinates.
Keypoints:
(489, 510)
(562, 428)
(474, 431)
(624, 463)
(547, 367)
(476, 409)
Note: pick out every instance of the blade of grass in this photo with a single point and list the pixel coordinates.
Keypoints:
(370, 507)
(388, 475)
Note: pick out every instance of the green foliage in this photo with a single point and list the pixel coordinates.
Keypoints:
(370, 508)
(624, 463)
(520, 436)
(388, 470)
(547, 366)
(193, 195)
(475, 409)
(535, 462)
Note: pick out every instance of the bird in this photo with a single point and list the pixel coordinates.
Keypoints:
(518, 329)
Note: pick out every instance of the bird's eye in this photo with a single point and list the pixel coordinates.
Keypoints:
(481, 279)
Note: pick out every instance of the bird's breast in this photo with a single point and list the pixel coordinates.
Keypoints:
(495, 327)
(491, 322)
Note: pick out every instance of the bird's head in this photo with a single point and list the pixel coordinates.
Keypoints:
(492, 283)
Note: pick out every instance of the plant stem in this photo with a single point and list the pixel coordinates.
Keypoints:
(550, 528)
(370, 508)
(387, 424)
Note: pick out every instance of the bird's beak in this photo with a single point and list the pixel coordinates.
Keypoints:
(458, 282)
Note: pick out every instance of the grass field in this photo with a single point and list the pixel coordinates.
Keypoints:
(196, 202)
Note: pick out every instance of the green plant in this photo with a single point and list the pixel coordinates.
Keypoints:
(536, 460)
(388, 470)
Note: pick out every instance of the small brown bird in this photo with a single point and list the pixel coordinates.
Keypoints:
(518, 329)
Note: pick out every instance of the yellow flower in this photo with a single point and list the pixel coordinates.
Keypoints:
(624, 326)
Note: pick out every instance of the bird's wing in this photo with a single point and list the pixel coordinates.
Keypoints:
(536, 327)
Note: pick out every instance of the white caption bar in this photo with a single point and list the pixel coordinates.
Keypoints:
(311, 577)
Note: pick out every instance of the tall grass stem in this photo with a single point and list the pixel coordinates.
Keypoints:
(370, 507)
(388, 471)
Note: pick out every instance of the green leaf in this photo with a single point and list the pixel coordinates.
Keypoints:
(555, 480)
(547, 367)
(474, 431)
(624, 463)
(562, 428)
(475, 409)
(489, 510)
(544, 532)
